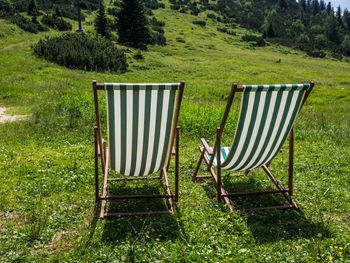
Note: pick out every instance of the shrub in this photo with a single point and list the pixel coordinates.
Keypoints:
(255, 40)
(212, 16)
(199, 22)
(227, 31)
(82, 51)
(158, 38)
(316, 53)
(25, 23)
(5, 8)
(180, 39)
(56, 22)
(154, 22)
(138, 55)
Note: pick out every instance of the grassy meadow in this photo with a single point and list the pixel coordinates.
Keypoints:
(47, 208)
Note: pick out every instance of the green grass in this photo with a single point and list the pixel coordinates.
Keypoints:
(47, 210)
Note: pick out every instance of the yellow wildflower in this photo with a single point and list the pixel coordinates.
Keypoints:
(330, 258)
(303, 244)
(341, 248)
(147, 236)
(335, 246)
(339, 253)
(330, 246)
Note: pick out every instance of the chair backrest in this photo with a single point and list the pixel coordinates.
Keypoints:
(140, 126)
(266, 117)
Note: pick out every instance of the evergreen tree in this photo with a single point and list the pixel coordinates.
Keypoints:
(332, 29)
(346, 18)
(270, 32)
(32, 8)
(101, 22)
(303, 4)
(329, 8)
(339, 16)
(322, 5)
(346, 45)
(315, 7)
(132, 25)
(283, 4)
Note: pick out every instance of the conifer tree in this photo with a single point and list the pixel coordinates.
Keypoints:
(339, 16)
(270, 32)
(329, 8)
(101, 22)
(32, 8)
(282, 4)
(315, 7)
(132, 25)
(303, 4)
(322, 5)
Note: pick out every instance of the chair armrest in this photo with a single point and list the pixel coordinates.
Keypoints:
(206, 146)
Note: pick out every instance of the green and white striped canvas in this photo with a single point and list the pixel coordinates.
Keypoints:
(140, 121)
(266, 117)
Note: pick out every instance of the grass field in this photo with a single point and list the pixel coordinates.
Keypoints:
(47, 209)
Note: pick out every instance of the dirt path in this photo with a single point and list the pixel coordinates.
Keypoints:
(7, 118)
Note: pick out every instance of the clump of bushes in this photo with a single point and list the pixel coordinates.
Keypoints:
(157, 32)
(199, 22)
(32, 26)
(316, 53)
(212, 16)
(226, 30)
(56, 22)
(82, 51)
(254, 40)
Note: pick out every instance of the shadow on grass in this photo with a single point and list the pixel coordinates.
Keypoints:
(153, 227)
(269, 225)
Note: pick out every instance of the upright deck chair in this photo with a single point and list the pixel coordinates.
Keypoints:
(266, 118)
(142, 128)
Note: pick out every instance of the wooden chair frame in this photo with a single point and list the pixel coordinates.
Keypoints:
(221, 192)
(101, 151)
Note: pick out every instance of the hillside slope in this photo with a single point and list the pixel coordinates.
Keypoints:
(47, 211)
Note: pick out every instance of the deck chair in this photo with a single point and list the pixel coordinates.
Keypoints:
(267, 115)
(142, 127)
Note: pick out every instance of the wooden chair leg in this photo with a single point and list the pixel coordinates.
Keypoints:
(202, 150)
(96, 167)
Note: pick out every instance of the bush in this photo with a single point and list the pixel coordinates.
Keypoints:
(199, 22)
(180, 39)
(138, 55)
(212, 16)
(56, 22)
(158, 38)
(154, 22)
(316, 53)
(82, 51)
(227, 31)
(26, 24)
(256, 40)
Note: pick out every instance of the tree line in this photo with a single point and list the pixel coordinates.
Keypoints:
(314, 26)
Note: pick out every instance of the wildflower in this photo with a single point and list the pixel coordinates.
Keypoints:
(341, 248)
(147, 236)
(303, 244)
(340, 253)
(330, 246)
(183, 249)
(330, 258)
(335, 246)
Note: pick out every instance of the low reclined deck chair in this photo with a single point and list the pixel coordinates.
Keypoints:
(266, 118)
(142, 127)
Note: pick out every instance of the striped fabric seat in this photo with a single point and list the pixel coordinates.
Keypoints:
(140, 120)
(266, 117)
(224, 152)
